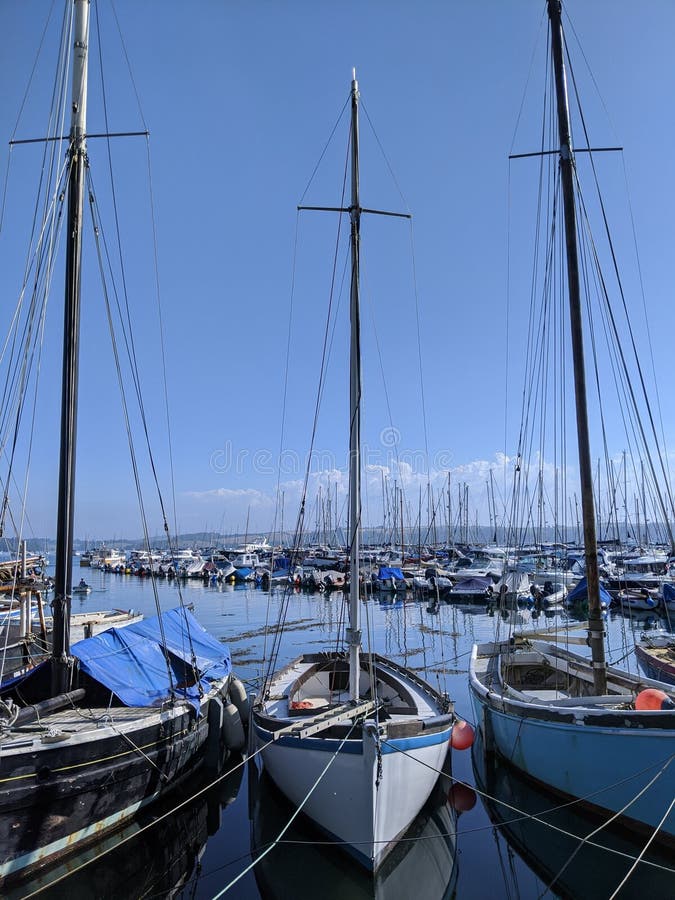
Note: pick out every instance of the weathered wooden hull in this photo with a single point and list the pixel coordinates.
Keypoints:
(57, 797)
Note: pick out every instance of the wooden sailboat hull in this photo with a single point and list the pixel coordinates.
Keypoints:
(657, 662)
(600, 751)
(72, 787)
(380, 774)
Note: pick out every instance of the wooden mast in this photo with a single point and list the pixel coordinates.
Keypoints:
(354, 630)
(77, 154)
(595, 623)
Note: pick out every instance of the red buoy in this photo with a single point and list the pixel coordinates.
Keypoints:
(651, 698)
(462, 735)
(461, 797)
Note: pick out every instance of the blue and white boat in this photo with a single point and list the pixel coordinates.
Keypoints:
(534, 702)
(389, 579)
(579, 595)
(354, 740)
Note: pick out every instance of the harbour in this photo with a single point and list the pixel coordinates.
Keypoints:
(407, 674)
(212, 840)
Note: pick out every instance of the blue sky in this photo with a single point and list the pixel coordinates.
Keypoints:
(240, 98)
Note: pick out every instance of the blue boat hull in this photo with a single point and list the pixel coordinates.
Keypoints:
(607, 768)
(601, 751)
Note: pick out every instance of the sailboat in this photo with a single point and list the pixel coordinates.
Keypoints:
(591, 732)
(109, 725)
(354, 740)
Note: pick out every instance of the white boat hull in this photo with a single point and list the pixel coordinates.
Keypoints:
(348, 803)
(377, 777)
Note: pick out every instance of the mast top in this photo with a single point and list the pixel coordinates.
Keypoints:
(79, 85)
(355, 84)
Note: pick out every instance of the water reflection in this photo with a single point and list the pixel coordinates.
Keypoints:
(156, 855)
(305, 865)
(553, 846)
(435, 641)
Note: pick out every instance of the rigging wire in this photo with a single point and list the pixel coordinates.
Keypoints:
(276, 640)
(125, 411)
(129, 342)
(292, 818)
(631, 335)
(25, 351)
(24, 99)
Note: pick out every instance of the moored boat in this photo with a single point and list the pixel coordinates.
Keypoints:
(656, 655)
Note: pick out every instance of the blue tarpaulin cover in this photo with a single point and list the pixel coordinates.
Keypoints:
(580, 594)
(131, 661)
(668, 592)
(390, 572)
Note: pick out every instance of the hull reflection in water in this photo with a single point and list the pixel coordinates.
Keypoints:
(306, 864)
(567, 868)
(157, 862)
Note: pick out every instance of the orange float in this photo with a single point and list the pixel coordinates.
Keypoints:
(462, 735)
(652, 698)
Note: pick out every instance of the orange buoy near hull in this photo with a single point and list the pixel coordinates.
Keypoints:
(652, 698)
(462, 736)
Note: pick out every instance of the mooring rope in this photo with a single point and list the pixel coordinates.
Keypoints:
(536, 817)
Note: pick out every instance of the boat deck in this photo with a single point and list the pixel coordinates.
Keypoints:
(317, 697)
(65, 724)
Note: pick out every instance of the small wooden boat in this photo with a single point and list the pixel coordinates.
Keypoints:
(82, 588)
(656, 655)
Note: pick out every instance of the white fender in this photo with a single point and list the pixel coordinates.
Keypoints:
(233, 730)
(239, 697)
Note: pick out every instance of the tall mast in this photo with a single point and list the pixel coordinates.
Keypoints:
(449, 511)
(77, 155)
(354, 631)
(595, 624)
(494, 505)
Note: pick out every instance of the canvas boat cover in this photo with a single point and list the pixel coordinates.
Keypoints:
(132, 662)
(579, 594)
(514, 582)
(390, 572)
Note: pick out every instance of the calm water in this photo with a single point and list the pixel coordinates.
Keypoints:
(499, 852)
